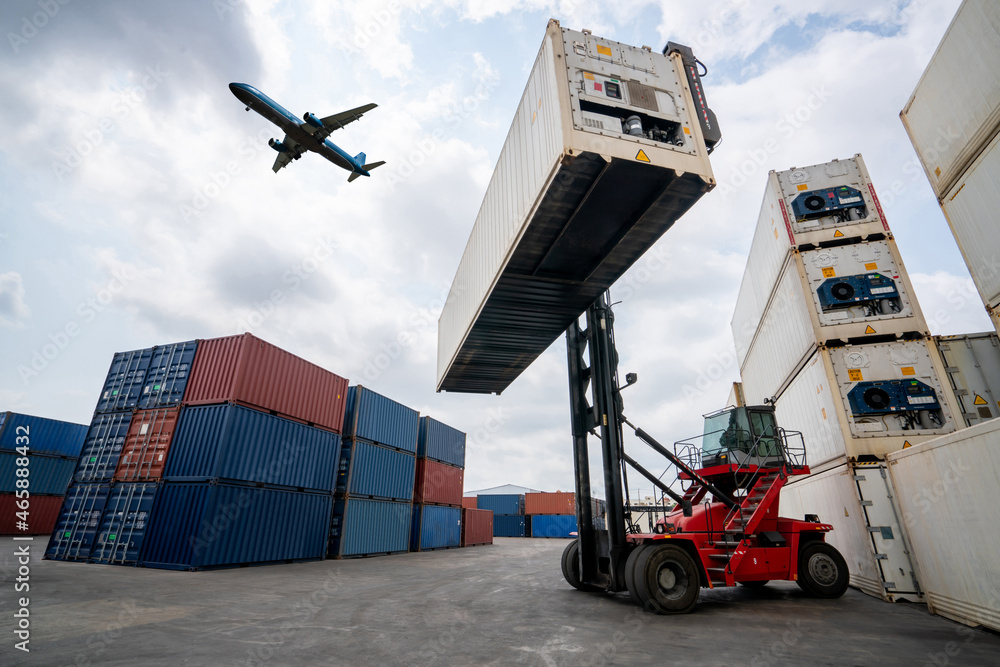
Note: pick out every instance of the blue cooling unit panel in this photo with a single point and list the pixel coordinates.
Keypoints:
(894, 396)
(850, 291)
(818, 203)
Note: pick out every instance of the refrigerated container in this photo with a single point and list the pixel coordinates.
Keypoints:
(972, 363)
(560, 502)
(438, 483)
(40, 434)
(597, 119)
(373, 417)
(124, 524)
(167, 375)
(365, 527)
(251, 372)
(435, 527)
(372, 471)
(147, 445)
(441, 442)
(955, 108)
(102, 447)
(477, 527)
(78, 522)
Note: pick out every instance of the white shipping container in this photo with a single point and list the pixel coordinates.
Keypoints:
(995, 316)
(972, 208)
(955, 108)
(972, 363)
(946, 488)
(575, 199)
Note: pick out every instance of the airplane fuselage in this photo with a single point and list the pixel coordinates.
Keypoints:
(294, 127)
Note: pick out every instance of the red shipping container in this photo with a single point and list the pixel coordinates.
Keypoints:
(249, 371)
(469, 503)
(144, 454)
(477, 527)
(561, 502)
(42, 514)
(438, 484)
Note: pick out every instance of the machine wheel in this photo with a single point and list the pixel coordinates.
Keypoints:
(666, 578)
(822, 570)
(630, 574)
(571, 567)
(753, 584)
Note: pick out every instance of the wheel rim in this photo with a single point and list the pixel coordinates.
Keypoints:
(672, 580)
(823, 570)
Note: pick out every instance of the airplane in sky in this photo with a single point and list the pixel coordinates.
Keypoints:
(310, 135)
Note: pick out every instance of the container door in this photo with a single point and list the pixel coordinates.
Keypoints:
(892, 553)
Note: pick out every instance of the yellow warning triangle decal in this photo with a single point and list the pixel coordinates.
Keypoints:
(906, 443)
(642, 157)
(869, 330)
(837, 234)
(979, 400)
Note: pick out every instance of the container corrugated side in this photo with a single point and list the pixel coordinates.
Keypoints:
(147, 445)
(504, 503)
(78, 523)
(438, 483)
(435, 527)
(563, 502)
(833, 497)
(470, 502)
(371, 416)
(234, 443)
(944, 489)
(553, 525)
(509, 525)
(373, 471)
(124, 524)
(972, 363)
(196, 526)
(441, 442)
(364, 527)
(167, 376)
(477, 527)
(44, 511)
(971, 210)
(41, 435)
(247, 370)
(955, 107)
(102, 447)
(47, 475)
(125, 381)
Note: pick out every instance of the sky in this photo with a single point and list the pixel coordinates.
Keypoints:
(139, 207)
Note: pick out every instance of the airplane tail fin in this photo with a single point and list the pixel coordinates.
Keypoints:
(360, 158)
(367, 167)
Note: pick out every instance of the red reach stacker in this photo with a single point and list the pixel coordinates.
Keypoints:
(725, 529)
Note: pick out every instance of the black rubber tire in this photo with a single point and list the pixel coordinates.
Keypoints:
(753, 584)
(666, 578)
(630, 575)
(571, 568)
(822, 570)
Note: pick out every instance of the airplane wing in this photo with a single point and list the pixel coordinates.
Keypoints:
(294, 150)
(337, 121)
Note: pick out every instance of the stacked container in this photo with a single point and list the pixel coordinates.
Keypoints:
(37, 459)
(953, 120)
(373, 509)
(509, 519)
(552, 514)
(972, 363)
(437, 499)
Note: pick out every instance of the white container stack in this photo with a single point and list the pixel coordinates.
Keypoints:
(953, 119)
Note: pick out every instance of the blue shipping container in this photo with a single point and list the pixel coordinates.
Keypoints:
(125, 381)
(233, 443)
(167, 376)
(41, 435)
(553, 525)
(372, 471)
(47, 475)
(375, 418)
(435, 527)
(441, 442)
(78, 523)
(508, 525)
(363, 527)
(195, 526)
(508, 503)
(102, 447)
(123, 527)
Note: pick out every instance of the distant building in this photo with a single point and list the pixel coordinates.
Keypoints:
(501, 490)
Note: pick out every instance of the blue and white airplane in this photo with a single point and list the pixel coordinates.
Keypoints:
(310, 135)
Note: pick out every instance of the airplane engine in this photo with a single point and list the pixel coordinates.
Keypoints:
(277, 145)
(313, 120)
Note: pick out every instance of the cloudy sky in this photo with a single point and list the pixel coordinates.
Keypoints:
(139, 207)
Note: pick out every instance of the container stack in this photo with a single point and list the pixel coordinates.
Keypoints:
(972, 362)
(437, 500)
(373, 507)
(552, 514)
(509, 519)
(953, 120)
(46, 450)
(206, 454)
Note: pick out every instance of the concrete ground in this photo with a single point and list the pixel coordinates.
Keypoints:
(505, 604)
